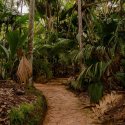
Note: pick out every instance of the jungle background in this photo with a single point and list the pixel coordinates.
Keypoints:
(87, 46)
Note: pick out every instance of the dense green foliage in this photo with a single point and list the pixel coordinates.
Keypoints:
(56, 42)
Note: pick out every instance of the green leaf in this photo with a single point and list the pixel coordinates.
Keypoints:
(5, 51)
(95, 91)
(15, 40)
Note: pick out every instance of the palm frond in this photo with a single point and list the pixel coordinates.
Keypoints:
(24, 71)
(5, 51)
(73, 53)
(95, 92)
(64, 58)
(15, 40)
(85, 53)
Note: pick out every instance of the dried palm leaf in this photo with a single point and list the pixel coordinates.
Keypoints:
(107, 103)
(24, 71)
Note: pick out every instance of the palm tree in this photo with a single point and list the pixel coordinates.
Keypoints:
(31, 30)
(80, 29)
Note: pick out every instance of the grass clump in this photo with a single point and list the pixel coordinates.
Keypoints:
(20, 115)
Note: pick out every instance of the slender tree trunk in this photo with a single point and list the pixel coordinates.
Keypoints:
(80, 31)
(48, 15)
(31, 31)
(50, 18)
(80, 23)
(57, 9)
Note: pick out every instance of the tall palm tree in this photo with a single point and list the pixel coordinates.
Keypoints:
(80, 31)
(31, 31)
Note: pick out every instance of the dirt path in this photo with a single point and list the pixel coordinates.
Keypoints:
(64, 108)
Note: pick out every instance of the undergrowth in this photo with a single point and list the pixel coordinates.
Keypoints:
(29, 114)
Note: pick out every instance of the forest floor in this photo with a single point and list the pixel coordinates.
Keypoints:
(64, 107)
(12, 95)
(69, 108)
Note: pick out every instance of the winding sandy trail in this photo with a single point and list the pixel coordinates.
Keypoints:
(64, 108)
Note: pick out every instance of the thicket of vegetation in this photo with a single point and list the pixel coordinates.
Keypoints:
(57, 51)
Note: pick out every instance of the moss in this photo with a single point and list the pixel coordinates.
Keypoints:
(29, 114)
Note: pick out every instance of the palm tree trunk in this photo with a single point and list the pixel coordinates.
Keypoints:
(80, 31)
(48, 15)
(31, 31)
(57, 9)
(31, 28)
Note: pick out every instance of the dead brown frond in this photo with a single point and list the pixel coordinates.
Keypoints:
(107, 103)
(24, 71)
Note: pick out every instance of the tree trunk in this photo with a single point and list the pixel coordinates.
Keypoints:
(31, 32)
(48, 15)
(80, 31)
(57, 16)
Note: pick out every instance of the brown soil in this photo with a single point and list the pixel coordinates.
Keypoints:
(10, 97)
(64, 107)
